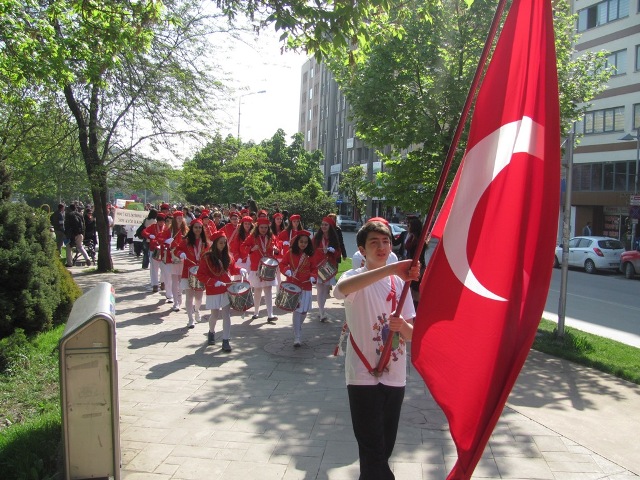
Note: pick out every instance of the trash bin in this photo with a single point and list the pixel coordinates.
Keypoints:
(89, 388)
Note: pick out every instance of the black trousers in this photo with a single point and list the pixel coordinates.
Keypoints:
(375, 414)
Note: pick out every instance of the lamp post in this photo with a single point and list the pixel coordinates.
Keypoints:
(627, 138)
(240, 105)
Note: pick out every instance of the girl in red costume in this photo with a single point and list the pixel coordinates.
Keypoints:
(326, 246)
(172, 264)
(191, 250)
(215, 267)
(151, 233)
(299, 266)
(286, 236)
(261, 243)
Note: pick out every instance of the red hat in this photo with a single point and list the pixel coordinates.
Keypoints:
(246, 218)
(379, 219)
(178, 213)
(195, 222)
(263, 212)
(160, 216)
(330, 221)
(244, 211)
(218, 234)
(299, 233)
(263, 221)
(204, 213)
(295, 216)
(233, 214)
(276, 215)
(164, 206)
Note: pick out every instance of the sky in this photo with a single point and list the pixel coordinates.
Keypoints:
(258, 68)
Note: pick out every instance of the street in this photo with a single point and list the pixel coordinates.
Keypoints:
(605, 304)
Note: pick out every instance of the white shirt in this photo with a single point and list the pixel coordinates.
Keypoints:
(367, 313)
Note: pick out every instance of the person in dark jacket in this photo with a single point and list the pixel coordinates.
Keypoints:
(74, 230)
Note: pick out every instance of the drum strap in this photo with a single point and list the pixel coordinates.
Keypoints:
(303, 259)
(381, 368)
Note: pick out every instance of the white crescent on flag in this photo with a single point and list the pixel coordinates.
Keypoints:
(522, 136)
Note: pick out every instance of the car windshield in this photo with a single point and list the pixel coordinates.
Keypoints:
(611, 244)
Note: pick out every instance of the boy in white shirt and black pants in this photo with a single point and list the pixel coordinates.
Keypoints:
(371, 294)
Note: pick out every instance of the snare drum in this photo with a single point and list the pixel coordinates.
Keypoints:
(288, 296)
(326, 271)
(240, 296)
(194, 283)
(267, 269)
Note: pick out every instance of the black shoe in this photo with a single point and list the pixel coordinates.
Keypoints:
(225, 346)
(272, 319)
(211, 338)
(253, 317)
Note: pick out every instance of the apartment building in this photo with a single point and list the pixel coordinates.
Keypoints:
(605, 171)
(324, 120)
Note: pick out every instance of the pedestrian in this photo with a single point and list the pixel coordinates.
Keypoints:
(299, 268)
(57, 222)
(326, 248)
(214, 272)
(260, 246)
(285, 237)
(191, 250)
(74, 231)
(151, 233)
(334, 217)
(586, 231)
(172, 264)
(370, 295)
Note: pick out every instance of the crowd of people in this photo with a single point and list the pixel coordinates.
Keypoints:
(231, 260)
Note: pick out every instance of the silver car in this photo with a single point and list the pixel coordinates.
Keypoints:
(592, 253)
(346, 223)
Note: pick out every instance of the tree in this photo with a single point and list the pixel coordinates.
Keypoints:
(416, 109)
(352, 183)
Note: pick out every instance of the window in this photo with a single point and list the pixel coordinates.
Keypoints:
(637, 57)
(602, 13)
(636, 116)
(609, 176)
(618, 60)
(310, 93)
(603, 121)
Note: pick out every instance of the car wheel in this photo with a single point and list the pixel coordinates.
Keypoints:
(629, 271)
(556, 263)
(589, 266)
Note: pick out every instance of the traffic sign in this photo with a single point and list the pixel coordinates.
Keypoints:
(634, 200)
(338, 201)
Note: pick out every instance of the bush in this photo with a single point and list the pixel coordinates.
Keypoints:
(36, 291)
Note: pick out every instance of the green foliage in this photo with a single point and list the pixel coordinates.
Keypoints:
(311, 203)
(36, 291)
(601, 353)
(226, 172)
(353, 184)
(416, 108)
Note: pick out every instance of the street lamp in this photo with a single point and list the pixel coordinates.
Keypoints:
(240, 104)
(627, 138)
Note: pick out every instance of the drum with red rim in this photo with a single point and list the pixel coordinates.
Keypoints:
(240, 296)
(267, 269)
(288, 296)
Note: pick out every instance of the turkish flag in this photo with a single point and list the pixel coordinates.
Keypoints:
(484, 290)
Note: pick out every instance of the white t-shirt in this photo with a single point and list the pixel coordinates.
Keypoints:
(367, 313)
(357, 260)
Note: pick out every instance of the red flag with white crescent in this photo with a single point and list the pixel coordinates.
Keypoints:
(485, 288)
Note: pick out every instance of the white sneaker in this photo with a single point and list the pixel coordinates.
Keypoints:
(196, 314)
(191, 323)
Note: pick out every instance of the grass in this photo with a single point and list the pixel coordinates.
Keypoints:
(30, 421)
(604, 354)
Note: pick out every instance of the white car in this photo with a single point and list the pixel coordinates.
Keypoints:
(592, 253)
(345, 223)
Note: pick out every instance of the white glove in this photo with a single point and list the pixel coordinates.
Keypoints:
(152, 237)
(219, 284)
(312, 280)
(331, 249)
(288, 273)
(285, 243)
(243, 272)
(183, 255)
(169, 241)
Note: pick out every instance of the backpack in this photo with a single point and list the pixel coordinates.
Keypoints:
(139, 231)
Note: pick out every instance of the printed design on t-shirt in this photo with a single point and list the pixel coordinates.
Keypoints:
(381, 333)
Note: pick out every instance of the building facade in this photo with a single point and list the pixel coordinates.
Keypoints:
(324, 121)
(605, 166)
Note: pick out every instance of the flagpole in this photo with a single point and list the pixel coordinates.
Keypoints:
(446, 167)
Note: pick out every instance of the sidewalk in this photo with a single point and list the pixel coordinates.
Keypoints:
(269, 411)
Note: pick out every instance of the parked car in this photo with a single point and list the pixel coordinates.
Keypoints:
(592, 253)
(397, 230)
(345, 223)
(630, 263)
